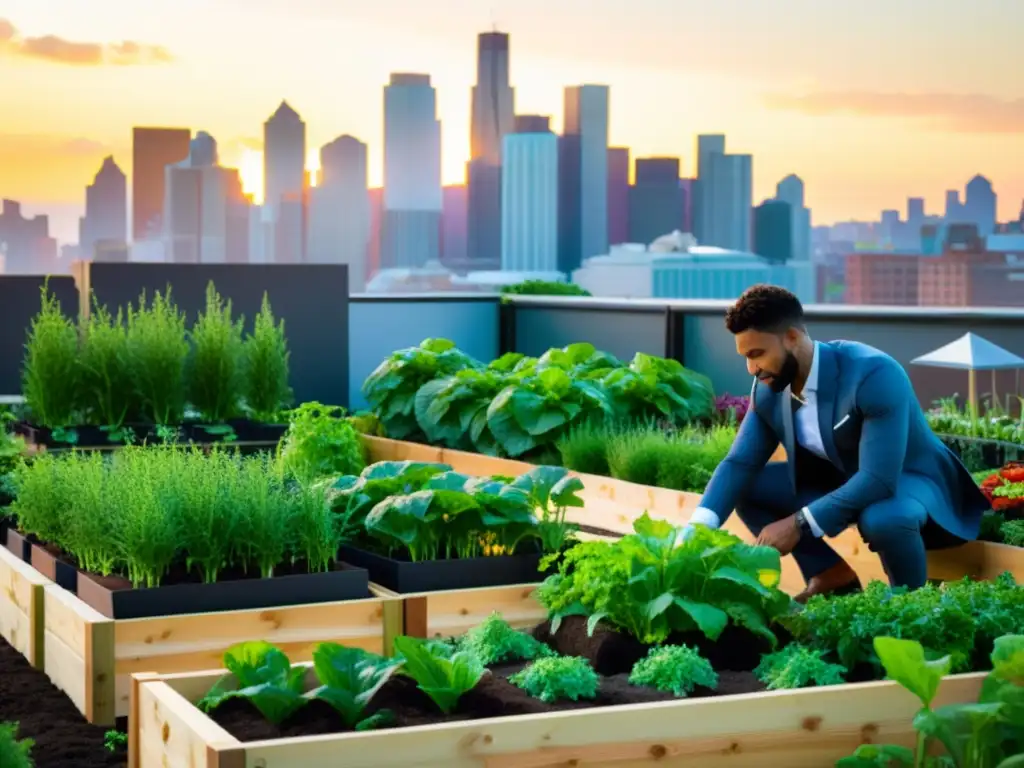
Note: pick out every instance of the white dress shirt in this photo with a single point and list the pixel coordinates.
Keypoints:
(808, 435)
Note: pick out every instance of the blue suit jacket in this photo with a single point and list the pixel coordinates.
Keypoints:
(872, 428)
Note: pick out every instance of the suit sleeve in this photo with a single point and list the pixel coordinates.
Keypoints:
(755, 443)
(884, 399)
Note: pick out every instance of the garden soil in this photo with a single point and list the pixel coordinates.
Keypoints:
(63, 739)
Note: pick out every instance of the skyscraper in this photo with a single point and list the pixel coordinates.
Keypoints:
(529, 197)
(700, 208)
(492, 116)
(285, 183)
(656, 203)
(727, 200)
(773, 231)
(980, 205)
(339, 216)
(583, 176)
(413, 201)
(106, 209)
(618, 195)
(153, 149)
(791, 190)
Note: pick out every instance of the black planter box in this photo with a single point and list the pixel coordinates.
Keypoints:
(61, 573)
(240, 595)
(19, 545)
(407, 577)
(88, 436)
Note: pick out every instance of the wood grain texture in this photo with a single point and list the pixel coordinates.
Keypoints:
(21, 607)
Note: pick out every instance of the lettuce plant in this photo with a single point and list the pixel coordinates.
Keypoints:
(14, 753)
(349, 679)
(262, 675)
(676, 669)
(552, 491)
(558, 677)
(444, 678)
(494, 641)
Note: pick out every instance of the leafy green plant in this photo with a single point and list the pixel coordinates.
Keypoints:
(1012, 533)
(985, 734)
(797, 666)
(494, 641)
(584, 447)
(349, 679)
(108, 393)
(158, 350)
(320, 442)
(50, 377)
(115, 741)
(214, 375)
(655, 582)
(543, 288)
(676, 669)
(559, 677)
(262, 675)
(552, 490)
(14, 753)
(266, 358)
(453, 411)
(443, 678)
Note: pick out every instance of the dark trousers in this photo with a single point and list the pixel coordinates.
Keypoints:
(892, 528)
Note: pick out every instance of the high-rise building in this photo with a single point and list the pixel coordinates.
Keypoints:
(727, 197)
(656, 201)
(26, 247)
(153, 149)
(411, 233)
(980, 205)
(954, 208)
(106, 210)
(583, 176)
(708, 145)
(529, 198)
(339, 216)
(454, 226)
(492, 116)
(773, 231)
(618, 195)
(285, 185)
(791, 190)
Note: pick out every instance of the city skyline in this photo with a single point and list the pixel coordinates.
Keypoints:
(51, 148)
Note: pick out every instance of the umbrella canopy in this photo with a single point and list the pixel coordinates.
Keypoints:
(971, 353)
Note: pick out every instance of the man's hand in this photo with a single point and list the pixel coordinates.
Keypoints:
(782, 535)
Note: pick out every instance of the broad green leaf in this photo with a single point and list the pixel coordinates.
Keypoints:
(708, 618)
(905, 662)
(736, 576)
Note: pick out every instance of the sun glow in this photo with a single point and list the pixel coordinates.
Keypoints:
(250, 169)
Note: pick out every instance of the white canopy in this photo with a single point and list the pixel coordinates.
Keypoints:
(971, 353)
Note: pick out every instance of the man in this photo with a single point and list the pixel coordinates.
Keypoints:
(859, 452)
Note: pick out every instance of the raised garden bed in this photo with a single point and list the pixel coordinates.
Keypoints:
(21, 607)
(240, 433)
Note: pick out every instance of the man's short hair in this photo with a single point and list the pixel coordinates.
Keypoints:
(766, 308)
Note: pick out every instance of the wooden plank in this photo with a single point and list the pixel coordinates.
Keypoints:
(21, 607)
(798, 729)
(170, 732)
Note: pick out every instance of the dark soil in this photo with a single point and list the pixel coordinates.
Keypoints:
(493, 696)
(63, 739)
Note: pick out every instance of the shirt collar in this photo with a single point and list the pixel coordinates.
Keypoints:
(811, 385)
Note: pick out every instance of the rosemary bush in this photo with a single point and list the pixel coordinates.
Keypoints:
(266, 358)
(108, 393)
(158, 351)
(215, 371)
(50, 374)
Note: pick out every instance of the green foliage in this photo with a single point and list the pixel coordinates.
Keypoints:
(543, 288)
(985, 734)
(143, 510)
(584, 447)
(494, 641)
(443, 678)
(266, 358)
(108, 392)
(262, 675)
(115, 741)
(676, 669)
(50, 379)
(655, 582)
(215, 374)
(560, 677)
(1012, 532)
(158, 350)
(683, 460)
(518, 405)
(992, 422)
(797, 666)
(349, 678)
(320, 442)
(14, 753)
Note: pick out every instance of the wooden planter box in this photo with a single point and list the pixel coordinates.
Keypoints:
(21, 606)
(614, 504)
(91, 657)
(808, 728)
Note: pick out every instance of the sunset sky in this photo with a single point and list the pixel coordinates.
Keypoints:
(870, 101)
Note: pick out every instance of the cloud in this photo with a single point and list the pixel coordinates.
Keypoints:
(957, 113)
(58, 50)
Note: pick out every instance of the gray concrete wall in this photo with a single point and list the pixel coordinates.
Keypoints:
(19, 304)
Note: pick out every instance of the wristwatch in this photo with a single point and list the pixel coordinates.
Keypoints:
(802, 523)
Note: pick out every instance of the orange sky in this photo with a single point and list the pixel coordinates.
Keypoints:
(868, 101)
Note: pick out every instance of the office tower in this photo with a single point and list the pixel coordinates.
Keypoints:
(529, 198)
(980, 205)
(791, 190)
(583, 176)
(285, 186)
(25, 243)
(454, 226)
(339, 216)
(707, 146)
(727, 197)
(618, 195)
(492, 116)
(656, 201)
(153, 149)
(106, 210)
(773, 231)
(412, 173)
(954, 208)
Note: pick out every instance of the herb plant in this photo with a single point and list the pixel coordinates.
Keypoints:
(559, 677)
(494, 641)
(14, 753)
(320, 442)
(266, 358)
(443, 678)
(262, 675)
(797, 666)
(108, 393)
(115, 741)
(50, 374)
(552, 490)
(158, 350)
(676, 669)
(653, 583)
(349, 678)
(215, 371)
